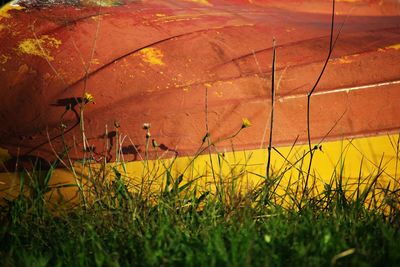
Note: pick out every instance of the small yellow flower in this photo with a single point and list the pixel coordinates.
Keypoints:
(146, 126)
(88, 98)
(246, 123)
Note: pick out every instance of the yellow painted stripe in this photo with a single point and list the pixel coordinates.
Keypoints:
(351, 159)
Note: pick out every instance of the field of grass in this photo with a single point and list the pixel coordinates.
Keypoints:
(182, 227)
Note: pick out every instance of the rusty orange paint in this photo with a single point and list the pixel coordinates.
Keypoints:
(153, 61)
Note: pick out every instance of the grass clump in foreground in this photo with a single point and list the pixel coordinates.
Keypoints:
(200, 230)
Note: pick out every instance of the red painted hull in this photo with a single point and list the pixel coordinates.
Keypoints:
(152, 61)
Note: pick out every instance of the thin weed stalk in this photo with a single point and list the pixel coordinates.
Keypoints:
(311, 151)
(207, 137)
(272, 107)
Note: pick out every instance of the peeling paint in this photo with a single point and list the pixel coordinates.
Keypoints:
(345, 59)
(219, 94)
(152, 55)
(395, 46)
(4, 11)
(39, 47)
(200, 2)
(95, 61)
(187, 17)
(97, 18)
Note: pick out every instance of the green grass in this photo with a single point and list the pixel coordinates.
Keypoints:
(213, 237)
(198, 231)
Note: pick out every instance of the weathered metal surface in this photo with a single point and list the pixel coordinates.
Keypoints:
(153, 61)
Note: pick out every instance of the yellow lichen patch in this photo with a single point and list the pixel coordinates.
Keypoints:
(344, 59)
(4, 59)
(9, 28)
(39, 47)
(4, 11)
(152, 55)
(200, 2)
